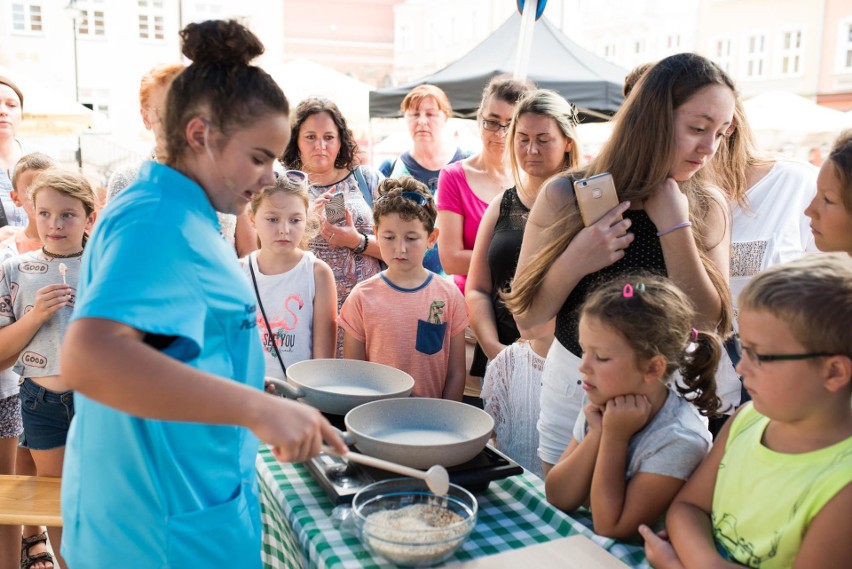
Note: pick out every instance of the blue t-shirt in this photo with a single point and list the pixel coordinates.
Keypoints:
(161, 493)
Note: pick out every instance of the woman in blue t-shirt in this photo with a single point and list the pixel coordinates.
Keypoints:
(163, 351)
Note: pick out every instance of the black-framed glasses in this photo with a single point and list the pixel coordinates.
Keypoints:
(757, 359)
(494, 126)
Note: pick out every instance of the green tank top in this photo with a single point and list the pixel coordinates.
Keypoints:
(764, 500)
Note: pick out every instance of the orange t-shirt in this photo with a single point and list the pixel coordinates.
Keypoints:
(409, 329)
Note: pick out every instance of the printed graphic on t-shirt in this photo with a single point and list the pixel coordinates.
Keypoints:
(282, 326)
(33, 359)
(436, 311)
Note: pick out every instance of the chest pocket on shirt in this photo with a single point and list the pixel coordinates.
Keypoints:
(430, 337)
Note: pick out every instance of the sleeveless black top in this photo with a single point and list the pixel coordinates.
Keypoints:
(644, 254)
(503, 254)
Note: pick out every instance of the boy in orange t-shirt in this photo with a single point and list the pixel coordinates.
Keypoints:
(406, 316)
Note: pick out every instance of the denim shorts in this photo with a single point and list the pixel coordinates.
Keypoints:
(46, 415)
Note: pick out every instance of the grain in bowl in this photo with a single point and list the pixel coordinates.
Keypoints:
(402, 521)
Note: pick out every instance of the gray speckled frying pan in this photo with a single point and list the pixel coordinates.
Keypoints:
(336, 386)
(419, 432)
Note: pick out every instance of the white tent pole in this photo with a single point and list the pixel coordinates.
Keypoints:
(522, 55)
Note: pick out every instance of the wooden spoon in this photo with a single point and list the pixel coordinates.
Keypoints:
(437, 478)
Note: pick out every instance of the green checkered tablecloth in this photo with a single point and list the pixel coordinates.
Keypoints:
(298, 530)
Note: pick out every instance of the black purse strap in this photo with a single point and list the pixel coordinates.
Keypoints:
(263, 313)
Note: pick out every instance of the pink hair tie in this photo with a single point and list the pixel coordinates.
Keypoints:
(693, 335)
(627, 291)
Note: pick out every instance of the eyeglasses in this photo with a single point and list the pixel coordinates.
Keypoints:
(739, 350)
(494, 126)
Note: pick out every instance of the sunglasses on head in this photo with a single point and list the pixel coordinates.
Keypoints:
(294, 176)
(417, 198)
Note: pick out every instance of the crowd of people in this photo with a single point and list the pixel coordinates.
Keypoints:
(681, 366)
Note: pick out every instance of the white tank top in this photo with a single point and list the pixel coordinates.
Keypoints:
(288, 299)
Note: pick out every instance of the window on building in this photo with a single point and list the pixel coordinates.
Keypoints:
(639, 46)
(91, 21)
(791, 52)
(845, 45)
(673, 41)
(721, 50)
(151, 19)
(609, 50)
(26, 17)
(755, 56)
(207, 11)
(406, 42)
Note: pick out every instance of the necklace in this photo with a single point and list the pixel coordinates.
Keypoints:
(58, 256)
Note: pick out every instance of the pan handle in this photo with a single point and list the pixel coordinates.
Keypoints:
(347, 437)
(285, 389)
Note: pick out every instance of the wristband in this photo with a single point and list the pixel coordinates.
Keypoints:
(668, 230)
(363, 245)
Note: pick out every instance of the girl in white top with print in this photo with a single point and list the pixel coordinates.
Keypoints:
(296, 293)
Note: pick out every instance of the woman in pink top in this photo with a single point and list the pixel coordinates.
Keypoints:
(465, 188)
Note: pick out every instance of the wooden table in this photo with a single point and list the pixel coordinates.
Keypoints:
(30, 500)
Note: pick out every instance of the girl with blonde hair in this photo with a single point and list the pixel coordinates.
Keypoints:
(38, 290)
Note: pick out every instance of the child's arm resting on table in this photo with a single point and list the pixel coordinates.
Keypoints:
(618, 506)
(688, 520)
(569, 482)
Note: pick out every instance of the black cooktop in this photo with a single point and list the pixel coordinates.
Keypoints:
(341, 480)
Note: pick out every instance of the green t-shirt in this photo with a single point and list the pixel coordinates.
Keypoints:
(764, 500)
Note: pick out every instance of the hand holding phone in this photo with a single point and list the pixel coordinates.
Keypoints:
(335, 209)
(595, 197)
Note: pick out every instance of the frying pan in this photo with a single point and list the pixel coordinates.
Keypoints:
(419, 432)
(336, 386)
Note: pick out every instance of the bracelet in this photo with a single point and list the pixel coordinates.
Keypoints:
(668, 230)
(363, 245)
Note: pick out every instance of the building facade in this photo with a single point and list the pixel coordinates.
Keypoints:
(352, 36)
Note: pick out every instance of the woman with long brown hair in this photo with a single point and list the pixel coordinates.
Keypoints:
(675, 223)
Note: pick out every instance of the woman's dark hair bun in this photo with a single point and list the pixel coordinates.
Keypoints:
(220, 41)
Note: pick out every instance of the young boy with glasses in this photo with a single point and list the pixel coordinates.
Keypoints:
(408, 317)
(776, 489)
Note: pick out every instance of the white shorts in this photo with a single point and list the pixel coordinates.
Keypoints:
(561, 402)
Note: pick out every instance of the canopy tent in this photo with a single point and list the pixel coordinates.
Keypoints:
(46, 112)
(588, 81)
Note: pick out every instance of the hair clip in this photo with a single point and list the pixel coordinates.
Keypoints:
(693, 335)
(640, 287)
(627, 291)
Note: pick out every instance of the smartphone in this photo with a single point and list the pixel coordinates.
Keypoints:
(595, 197)
(335, 210)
